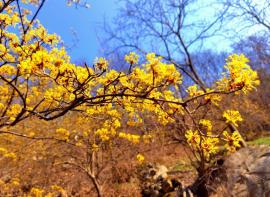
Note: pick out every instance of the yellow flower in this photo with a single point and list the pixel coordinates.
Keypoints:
(132, 58)
(10, 155)
(233, 140)
(63, 133)
(57, 188)
(37, 192)
(130, 137)
(95, 147)
(13, 111)
(147, 138)
(193, 91)
(3, 150)
(15, 181)
(103, 133)
(232, 116)
(101, 63)
(209, 146)
(205, 143)
(212, 97)
(140, 158)
(206, 123)
(193, 137)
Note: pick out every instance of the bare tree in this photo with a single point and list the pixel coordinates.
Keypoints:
(173, 29)
(249, 16)
(257, 48)
(211, 64)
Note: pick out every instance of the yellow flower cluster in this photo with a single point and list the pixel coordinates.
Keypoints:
(57, 188)
(232, 116)
(50, 82)
(62, 133)
(15, 185)
(13, 111)
(205, 143)
(7, 19)
(239, 75)
(162, 70)
(5, 153)
(103, 133)
(194, 91)
(147, 138)
(209, 145)
(130, 137)
(37, 192)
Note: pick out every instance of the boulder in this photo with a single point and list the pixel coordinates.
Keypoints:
(246, 173)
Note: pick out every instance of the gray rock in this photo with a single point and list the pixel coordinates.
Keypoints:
(247, 173)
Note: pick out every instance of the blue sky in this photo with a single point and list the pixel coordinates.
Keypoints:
(80, 26)
(68, 21)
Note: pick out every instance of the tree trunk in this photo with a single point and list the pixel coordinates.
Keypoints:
(199, 186)
(97, 186)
